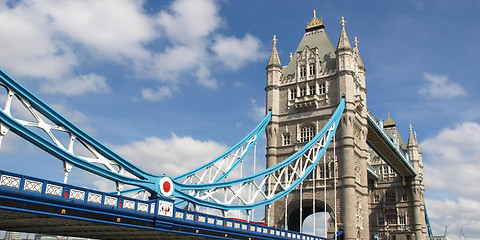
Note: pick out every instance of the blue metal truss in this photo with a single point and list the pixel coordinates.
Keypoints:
(277, 181)
(265, 187)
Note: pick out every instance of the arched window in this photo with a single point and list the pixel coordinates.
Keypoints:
(307, 133)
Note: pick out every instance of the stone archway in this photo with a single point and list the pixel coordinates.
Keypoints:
(293, 218)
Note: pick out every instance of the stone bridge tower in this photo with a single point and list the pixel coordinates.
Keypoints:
(302, 97)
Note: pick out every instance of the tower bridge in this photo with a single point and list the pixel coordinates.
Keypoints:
(325, 153)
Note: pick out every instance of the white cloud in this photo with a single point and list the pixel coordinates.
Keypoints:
(78, 85)
(258, 111)
(158, 94)
(439, 87)
(51, 41)
(29, 47)
(111, 27)
(462, 214)
(451, 167)
(188, 21)
(172, 156)
(234, 53)
(454, 154)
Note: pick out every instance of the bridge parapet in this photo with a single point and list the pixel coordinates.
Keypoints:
(157, 214)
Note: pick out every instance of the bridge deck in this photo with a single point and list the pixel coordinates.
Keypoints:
(380, 142)
(31, 205)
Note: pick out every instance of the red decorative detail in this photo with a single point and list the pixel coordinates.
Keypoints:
(166, 186)
(120, 204)
(66, 194)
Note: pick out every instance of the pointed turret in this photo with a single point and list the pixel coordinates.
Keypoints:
(274, 59)
(343, 42)
(357, 55)
(411, 138)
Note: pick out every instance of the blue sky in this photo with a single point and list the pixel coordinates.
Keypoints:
(165, 81)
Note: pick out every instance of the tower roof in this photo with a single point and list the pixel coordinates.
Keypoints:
(343, 42)
(274, 59)
(314, 37)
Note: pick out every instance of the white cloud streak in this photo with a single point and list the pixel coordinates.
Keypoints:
(439, 87)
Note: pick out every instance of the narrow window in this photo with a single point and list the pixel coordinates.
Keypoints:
(312, 89)
(302, 71)
(403, 218)
(286, 139)
(404, 197)
(303, 91)
(312, 69)
(322, 88)
(293, 93)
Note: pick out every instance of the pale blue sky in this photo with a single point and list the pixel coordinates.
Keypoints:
(142, 74)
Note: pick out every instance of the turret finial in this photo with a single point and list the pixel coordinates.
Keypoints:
(290, 57)
(343, 22)
(275, 40)
(356, 42)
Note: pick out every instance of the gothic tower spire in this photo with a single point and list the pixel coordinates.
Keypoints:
(274, 59)
(343, 42)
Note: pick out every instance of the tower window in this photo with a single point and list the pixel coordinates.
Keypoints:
(376, 198)
(404, 197)
(391, 219)
(286, 139)
(403, 218)
(302, 71)
(303, 91)
(307, 133)
(312, 89)
(293, 93)
(324, 173)
(381, 221)
(321, 88)
(312, 69)
(390, 196)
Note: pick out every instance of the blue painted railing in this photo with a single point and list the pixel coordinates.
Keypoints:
(159, 207)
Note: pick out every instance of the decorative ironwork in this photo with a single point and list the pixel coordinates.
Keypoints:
(128, 204)
(111, 201)
(94, 198)
(54, 190)
(78, 195)
(142, 207)
(10, 181)
(33, 186)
